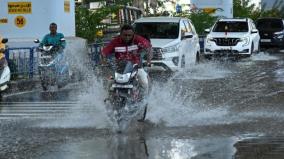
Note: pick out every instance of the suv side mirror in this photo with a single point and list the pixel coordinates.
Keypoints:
(207, 31)
(187, 35)
(254, 31)
(5, 40)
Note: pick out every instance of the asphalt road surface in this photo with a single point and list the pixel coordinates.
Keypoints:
(214, 110)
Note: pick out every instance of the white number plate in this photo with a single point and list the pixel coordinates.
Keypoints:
(122, 86)
(265, 40)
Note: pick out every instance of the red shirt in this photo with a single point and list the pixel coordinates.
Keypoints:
(127, 51)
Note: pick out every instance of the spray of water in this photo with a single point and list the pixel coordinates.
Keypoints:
(171, 103)
(263, 56)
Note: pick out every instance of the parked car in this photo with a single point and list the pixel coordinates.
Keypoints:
(271, 32)
(231, 37)
(174, 41)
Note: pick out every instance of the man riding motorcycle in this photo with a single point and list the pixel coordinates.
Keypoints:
(129, 46)
(53, 38)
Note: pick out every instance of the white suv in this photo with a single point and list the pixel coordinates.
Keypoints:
(231, 37)
(174, 41)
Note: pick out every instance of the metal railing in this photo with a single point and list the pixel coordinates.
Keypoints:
(23, 61)
(94, 51)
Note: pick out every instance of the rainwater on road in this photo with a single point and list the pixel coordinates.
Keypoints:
(214, 110)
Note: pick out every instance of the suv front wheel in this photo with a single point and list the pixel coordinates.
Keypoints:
(197, 59)
(252, 48)
(182, 64)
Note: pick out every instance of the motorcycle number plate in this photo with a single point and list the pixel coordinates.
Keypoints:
(122, 86)
(45, 56)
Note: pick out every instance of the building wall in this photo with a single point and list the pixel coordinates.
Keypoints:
(43, 12)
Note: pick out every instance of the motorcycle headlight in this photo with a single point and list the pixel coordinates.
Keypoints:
(170, 49)
(122, 78)
(245, 41)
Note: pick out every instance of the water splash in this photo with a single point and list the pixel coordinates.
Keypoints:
(170, 106)
(204, 71)
(263, 56)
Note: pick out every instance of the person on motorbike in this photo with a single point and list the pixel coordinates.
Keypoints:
(54, 38)
(130, 46)
(2, 46)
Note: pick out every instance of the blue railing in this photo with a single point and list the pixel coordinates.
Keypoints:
(23, 61)
(95, 52)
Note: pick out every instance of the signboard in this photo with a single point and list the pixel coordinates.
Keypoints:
(19, 7)
(67, 6)
(3, 21)
(20, 21)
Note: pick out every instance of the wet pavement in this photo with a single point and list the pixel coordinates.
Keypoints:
(215, 110)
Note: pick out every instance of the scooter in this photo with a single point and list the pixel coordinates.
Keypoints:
(5, 73)
(125, 96)
(53, 67)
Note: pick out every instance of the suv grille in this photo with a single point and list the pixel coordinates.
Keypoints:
(157, 54)
(226, 41)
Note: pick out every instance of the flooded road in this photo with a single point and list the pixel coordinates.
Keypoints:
(214, 110)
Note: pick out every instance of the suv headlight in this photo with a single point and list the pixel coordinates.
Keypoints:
(208, 39)
(245, 41)
(279, 34)
(170, 49)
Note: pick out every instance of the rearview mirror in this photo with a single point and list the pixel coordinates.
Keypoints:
(5, 40)
(187, 35)
(36, 41)
(62, 39)
(207, 31)
(254, 31)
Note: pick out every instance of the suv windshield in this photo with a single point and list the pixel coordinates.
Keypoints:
(270, 24)
(231, 26)
(155, 30)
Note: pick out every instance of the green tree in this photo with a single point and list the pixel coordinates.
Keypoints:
(88, 22)
(277, 10)
(200, 20)
(243, 9)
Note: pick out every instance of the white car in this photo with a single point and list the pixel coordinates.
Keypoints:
(231, 37)
(174, 40)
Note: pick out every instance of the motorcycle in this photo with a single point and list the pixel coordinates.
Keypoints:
(126, 100)
(53, 67)
(5, 73)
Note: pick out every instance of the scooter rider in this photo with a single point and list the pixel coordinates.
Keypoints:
(130, 46)
(53, 38)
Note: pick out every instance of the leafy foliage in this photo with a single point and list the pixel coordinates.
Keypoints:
(242, 8)
(277, 10)
(200, 20)
(88, 22)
